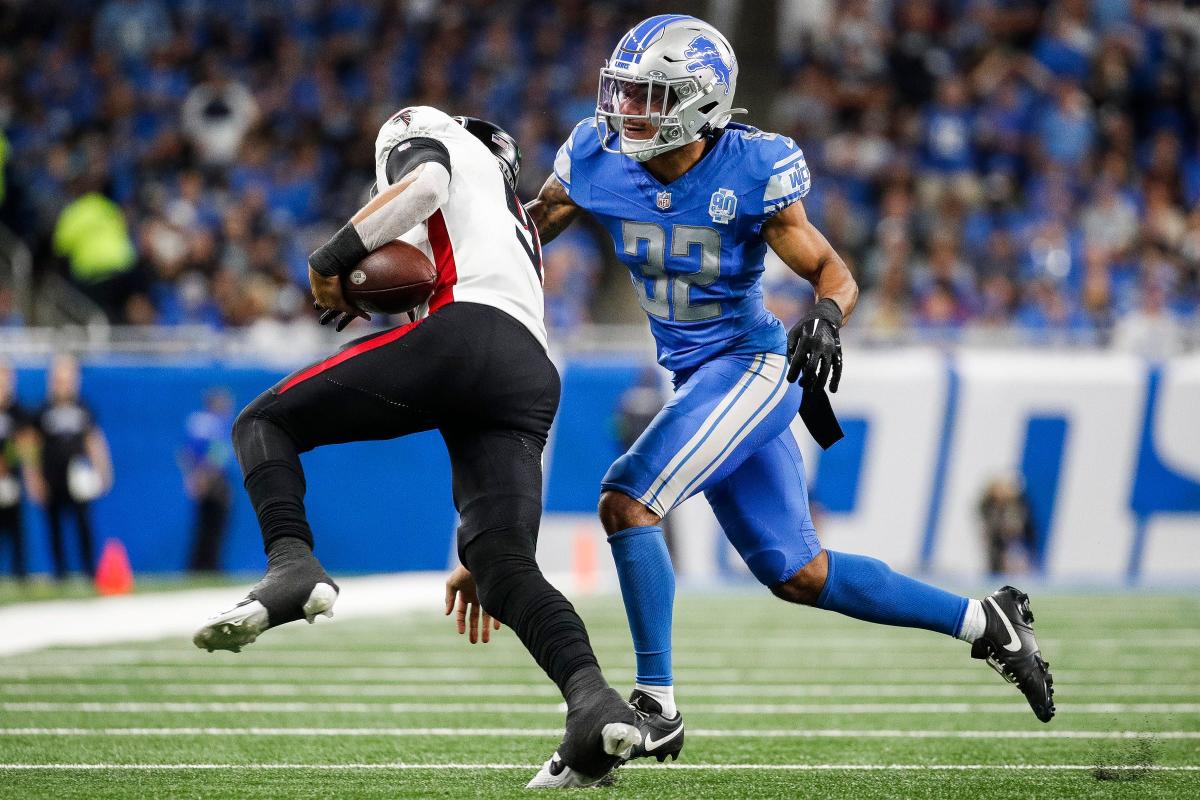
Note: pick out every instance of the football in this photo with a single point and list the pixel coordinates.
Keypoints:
(391, 280)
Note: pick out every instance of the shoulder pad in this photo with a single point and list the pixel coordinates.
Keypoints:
(763, 153)
(776, 164)
(580, 145)
(410, 122)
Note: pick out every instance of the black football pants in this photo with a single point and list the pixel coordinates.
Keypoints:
(469, 370)
(12, 530)
(484, 382)
(58, 504)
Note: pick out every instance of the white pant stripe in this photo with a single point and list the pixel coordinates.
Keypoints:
(721, 432)
(649, 498)
(733, 435)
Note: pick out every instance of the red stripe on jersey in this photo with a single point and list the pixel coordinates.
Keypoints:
(537, 246)
(443, 260)
(386, 337)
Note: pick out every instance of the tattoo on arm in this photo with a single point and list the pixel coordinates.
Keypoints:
(553, 210)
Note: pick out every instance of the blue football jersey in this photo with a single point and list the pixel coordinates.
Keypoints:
(694, 247)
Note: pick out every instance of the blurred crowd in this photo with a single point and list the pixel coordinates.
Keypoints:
(981, 164)
(180, 160)
(986, 165)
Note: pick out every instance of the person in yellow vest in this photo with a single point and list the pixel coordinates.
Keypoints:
(91, 234)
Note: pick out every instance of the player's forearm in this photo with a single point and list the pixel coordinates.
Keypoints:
(810, 255)
(390, 214)
(97, 453)
(832, 280)
(402, 206)
(552, 210)
(550, 222)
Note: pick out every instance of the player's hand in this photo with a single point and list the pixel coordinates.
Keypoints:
(815, 348)
(461, 585)
(329, 300)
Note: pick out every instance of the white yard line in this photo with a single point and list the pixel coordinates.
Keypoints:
(768, 644)
(126, 688)
(613, 630)
(554, 732)
(95, 621)
(213, 665)
(445, 659)
(689, 767)
(436, 651)
(559, 708)
(263, 681)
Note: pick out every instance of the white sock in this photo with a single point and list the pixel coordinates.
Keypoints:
(665, 695)
(974, 622)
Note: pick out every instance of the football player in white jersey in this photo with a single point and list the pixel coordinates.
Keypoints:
(471, 364)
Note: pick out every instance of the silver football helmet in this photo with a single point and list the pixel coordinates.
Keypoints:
(673, 72)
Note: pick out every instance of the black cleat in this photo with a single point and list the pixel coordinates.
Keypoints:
(661, 737)
(1008, 646)
(296, 586)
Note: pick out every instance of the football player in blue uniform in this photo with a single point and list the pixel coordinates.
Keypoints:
(692, 201)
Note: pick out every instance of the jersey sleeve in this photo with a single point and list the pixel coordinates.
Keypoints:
(783, 172)
(421, 128)
(573, 161)
(408, 154)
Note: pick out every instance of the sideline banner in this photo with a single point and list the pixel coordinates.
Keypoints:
(1107, 445)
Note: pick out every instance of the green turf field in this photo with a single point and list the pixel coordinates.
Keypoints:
(780, 702)
(42, 588)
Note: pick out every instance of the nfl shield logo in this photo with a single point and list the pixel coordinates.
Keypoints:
(664, 200)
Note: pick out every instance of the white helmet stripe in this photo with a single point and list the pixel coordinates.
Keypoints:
(636, 40)
(671, 56)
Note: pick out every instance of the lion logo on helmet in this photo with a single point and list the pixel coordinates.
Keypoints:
(704, 53)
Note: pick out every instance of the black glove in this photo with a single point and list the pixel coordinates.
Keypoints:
(328, 315)
(815, 348)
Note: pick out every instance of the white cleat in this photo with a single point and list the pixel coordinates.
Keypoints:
(241, 625)
(320, 602)
(619, 740)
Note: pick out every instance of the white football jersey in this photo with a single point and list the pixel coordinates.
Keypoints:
(482, 242)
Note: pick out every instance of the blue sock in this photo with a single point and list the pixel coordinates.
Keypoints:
(648, 589)
(867, 589)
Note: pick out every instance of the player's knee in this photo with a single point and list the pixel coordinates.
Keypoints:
(496, 549)
(806, 585)
(618, 511)
(244, 426)
(259, 434)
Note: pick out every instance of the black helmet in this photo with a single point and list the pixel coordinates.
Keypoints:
(497, 140)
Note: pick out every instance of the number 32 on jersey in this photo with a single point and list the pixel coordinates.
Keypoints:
(669, 298)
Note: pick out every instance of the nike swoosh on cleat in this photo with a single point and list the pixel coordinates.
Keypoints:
(652, 744)
(1014, 644)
